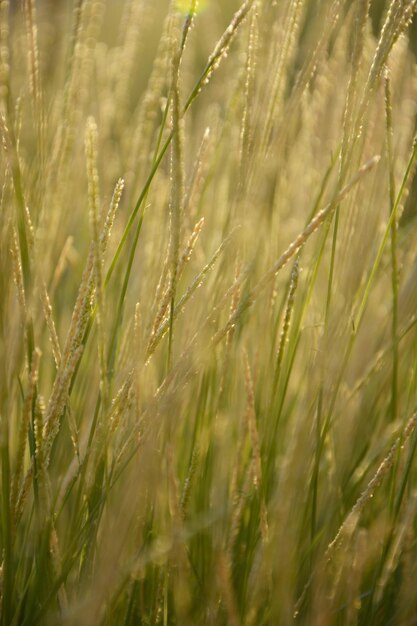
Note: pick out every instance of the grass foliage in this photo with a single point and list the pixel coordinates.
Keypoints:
(208, 309)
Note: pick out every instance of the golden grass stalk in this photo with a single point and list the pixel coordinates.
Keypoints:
(94, 212)
(50, 324)
(23, 494)
(38, 426)
(74, 342)
(9, 144)
(196, 283)
(24, 427)
(246, 129)
(188, 24)
(287, 316)
(223, 45)
(188, 483)
(397, 19)
(139, 357)
(18, 275)
(239, 500)
(177, 174)
(410, 7)
(295, 246)
(71, 354)
(57, 565)
(73, 428)
(30, 230)
(58, 401)
(190, 245)
(64, 258)
(111, 214)
(193, 191)
(256, 448)
(120, 404)
(350, 523)
(137, 330)
(227, 591)
(178, 369)
(235, 299)
(394, 254)
(184, 259)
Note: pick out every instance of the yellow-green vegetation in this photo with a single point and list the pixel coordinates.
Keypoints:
(208, 307)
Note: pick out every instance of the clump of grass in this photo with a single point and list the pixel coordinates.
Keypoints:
(191, 431)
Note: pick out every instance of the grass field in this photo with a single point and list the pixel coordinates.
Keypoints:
(208, 312)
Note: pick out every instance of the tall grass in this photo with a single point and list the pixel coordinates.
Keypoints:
(208, 313)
